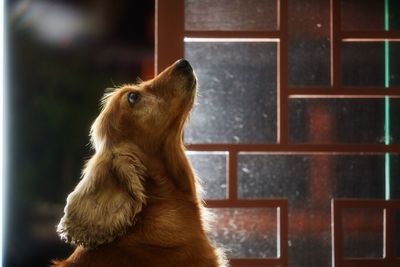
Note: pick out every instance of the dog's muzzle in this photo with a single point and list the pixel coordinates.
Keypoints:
(183, 66)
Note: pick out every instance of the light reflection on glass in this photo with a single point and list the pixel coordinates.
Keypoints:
(211, 170)
(246, 232)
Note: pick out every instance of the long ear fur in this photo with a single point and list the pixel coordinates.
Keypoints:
(104, 203)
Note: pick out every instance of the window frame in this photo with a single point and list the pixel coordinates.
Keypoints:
(170, 34)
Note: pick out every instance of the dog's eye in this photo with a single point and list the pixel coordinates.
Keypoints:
(133, 97)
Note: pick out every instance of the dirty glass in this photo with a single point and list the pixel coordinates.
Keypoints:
(246, 232)
(237, 93)
(308, 58)
(211, 170)
(230, 15)
(342, 120)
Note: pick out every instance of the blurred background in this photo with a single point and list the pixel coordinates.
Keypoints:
(62, 55)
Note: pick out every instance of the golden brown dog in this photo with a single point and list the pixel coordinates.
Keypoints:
(137, 203)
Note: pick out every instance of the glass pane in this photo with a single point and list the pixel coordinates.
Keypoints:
(369, 15)
(394, 111)
(237, 92)
(309, 45)
(394, 63)
(299, 177)
(363, 15)
(360, 176)
(364, 64)
(341, 120)
(394, 177)
(362, 233)
(272, 176)
(230, 15)
(309, 182)
(211, 169)
(246, 232)
(394, 14)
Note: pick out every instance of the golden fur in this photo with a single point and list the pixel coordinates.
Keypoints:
(137, 203)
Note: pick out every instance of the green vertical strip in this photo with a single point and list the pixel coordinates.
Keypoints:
(387, 105)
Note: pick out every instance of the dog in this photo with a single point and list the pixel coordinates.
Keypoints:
(138, 202)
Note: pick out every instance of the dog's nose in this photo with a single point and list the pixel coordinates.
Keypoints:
(183, 64)
(183, 67)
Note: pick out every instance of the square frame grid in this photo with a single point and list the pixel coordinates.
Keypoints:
(170, 41)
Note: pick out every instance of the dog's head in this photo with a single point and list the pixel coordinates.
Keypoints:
(149, 111)
(135, 120)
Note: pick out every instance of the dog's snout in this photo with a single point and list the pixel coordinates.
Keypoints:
(182, 68)
(183, 64)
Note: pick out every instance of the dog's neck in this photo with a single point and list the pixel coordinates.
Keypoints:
(167, 160)
(179, 166)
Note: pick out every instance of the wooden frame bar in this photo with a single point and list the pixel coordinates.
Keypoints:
(232, 182)
(282, 123)
(231, 34)
(345, 92)
(169, 28)
(247, 203)
(298, 148)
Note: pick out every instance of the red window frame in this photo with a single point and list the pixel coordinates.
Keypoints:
(170, 34)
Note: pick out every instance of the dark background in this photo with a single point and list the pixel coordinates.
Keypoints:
(62, 55)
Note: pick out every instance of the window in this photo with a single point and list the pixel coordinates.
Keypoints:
(296, 134)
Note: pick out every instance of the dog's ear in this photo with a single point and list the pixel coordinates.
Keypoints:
(105, 202)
